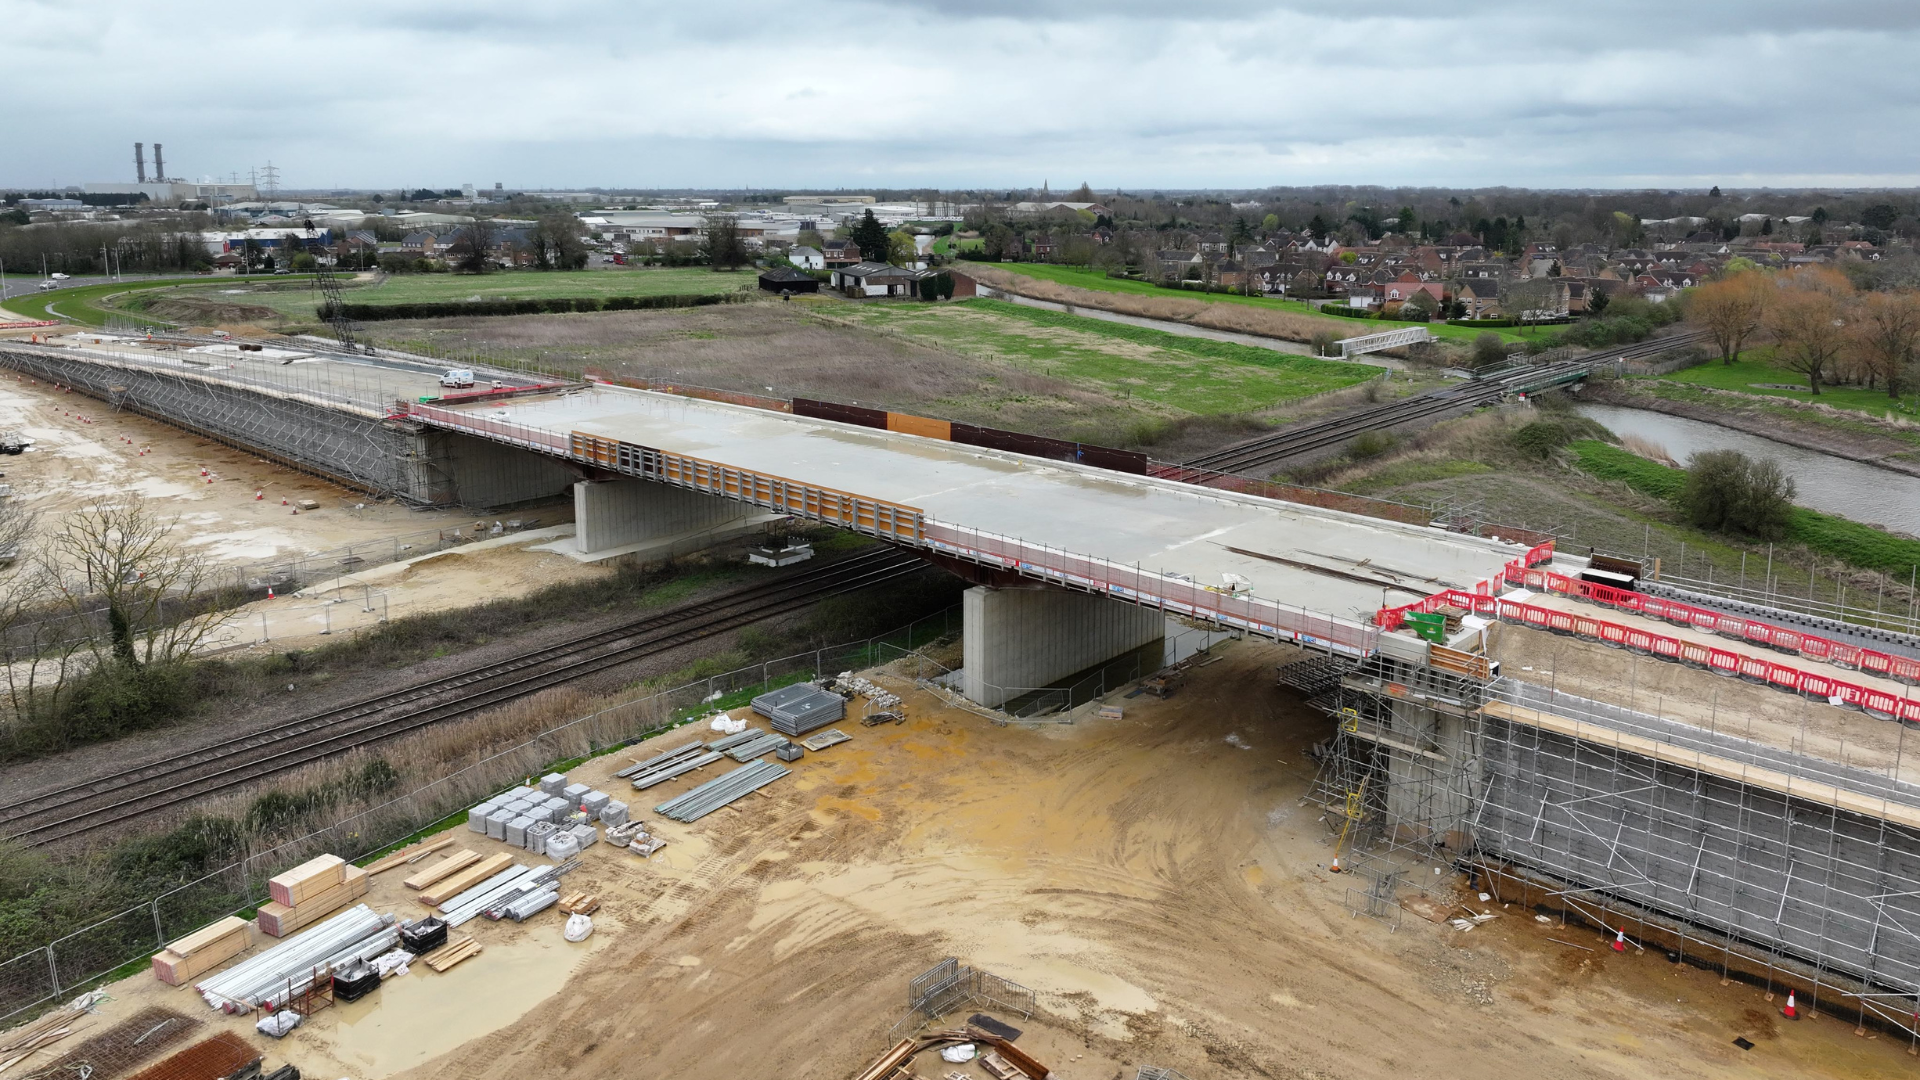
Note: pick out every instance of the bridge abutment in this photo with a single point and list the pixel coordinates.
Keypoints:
(1015, 640)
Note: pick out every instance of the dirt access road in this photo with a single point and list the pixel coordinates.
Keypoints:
(1156, 880)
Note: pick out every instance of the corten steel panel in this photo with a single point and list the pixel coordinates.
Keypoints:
(845, 414)
(923, 426)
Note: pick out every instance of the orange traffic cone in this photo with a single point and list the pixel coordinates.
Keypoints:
(1619, 941)
(258, 495)
(1789, 1011)
(283, 500)
(203, 471)
(209, 479)
(269, 592)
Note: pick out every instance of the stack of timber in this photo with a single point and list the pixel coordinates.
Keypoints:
(460, 882)
(452, 953)
(410, 855)
(446, 867)
(310, 892)
(192, 956)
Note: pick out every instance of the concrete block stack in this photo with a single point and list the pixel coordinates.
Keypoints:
(613, 813)
(310, 892)
(553, 783)
(192, 956)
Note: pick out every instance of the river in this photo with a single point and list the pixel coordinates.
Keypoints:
(1823, 482)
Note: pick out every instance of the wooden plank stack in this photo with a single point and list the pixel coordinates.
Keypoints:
(409, 856)
(580, 903)
(466, 879)
(452, 953)
(185, 960)
(448, 866)
(318, 888)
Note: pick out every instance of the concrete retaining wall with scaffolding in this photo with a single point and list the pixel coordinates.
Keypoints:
(1723, 850)
(353, 445)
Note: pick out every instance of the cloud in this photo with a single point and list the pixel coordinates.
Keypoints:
(1133, 93)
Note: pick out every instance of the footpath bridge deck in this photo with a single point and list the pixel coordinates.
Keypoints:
(1311, 574)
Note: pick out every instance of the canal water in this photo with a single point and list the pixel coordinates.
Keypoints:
(1830, 484)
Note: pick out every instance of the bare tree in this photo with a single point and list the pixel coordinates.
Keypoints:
(721, 244)
(124, 561)
(473, 246)
(1730, 310)
(1807, 318)
(1887, 333)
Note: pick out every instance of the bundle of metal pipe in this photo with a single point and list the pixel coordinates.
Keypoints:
(728, 742)
(383, 942)
(507, 891)
(760, 747)
(248, 982)
(718, 792)
(461, 900)
(528, 904)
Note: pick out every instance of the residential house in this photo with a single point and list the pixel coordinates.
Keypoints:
(1479, 297)
(1364, 296)
(1342, 276)
(1402, 290)
(420, 243)
(807, 258)
(838, 253)
(1231, 274)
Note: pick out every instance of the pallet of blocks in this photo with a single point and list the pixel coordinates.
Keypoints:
(277, 919)
(192, 956)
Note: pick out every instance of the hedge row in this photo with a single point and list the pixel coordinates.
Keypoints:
(552, 305)
(1490, 323)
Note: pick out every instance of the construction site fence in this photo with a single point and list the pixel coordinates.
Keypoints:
(1813, 685)
(120, 944)
(332, 568)
(1836, 609)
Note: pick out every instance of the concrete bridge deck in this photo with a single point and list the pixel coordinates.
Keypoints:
(1309, 570)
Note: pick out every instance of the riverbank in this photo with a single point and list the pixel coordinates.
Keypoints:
(1862, 439)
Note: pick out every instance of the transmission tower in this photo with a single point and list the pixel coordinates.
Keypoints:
(331, 304)
(272, 177)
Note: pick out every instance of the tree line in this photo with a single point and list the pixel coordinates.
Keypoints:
(1819, 323)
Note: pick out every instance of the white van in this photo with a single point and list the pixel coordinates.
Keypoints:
(457, 379)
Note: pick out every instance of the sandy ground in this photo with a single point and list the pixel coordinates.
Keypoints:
(84, 452)
(1156, 880)
(1692, 696)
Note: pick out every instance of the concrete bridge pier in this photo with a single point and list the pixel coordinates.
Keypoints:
(1015, 640)
(624, 516)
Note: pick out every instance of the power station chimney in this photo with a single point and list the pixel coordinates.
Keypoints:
(140, 161)
(159, 166)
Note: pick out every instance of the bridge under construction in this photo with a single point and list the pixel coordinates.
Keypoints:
(1777, 839)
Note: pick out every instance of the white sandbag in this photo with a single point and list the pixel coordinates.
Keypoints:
(578, 927)
(957, 1054)
(277, 1024)
(392, 963)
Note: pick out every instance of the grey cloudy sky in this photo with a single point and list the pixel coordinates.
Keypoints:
(910, 93)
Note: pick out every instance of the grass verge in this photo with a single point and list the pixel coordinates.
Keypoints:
(1835, 537)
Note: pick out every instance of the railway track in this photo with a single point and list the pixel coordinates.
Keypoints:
(79, 808)
(1268, 450)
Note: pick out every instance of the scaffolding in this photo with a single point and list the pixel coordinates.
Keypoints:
(1758, 861)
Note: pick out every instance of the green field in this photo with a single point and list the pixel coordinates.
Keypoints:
(1837, 537)
(86, 304)
(1757, 366)
(503, 285)
(1193, 375)
(1083, 278)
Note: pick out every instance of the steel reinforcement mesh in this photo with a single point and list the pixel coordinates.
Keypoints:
(121, 1048)
(209, 1059)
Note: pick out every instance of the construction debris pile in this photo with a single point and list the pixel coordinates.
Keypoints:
(877, 696)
